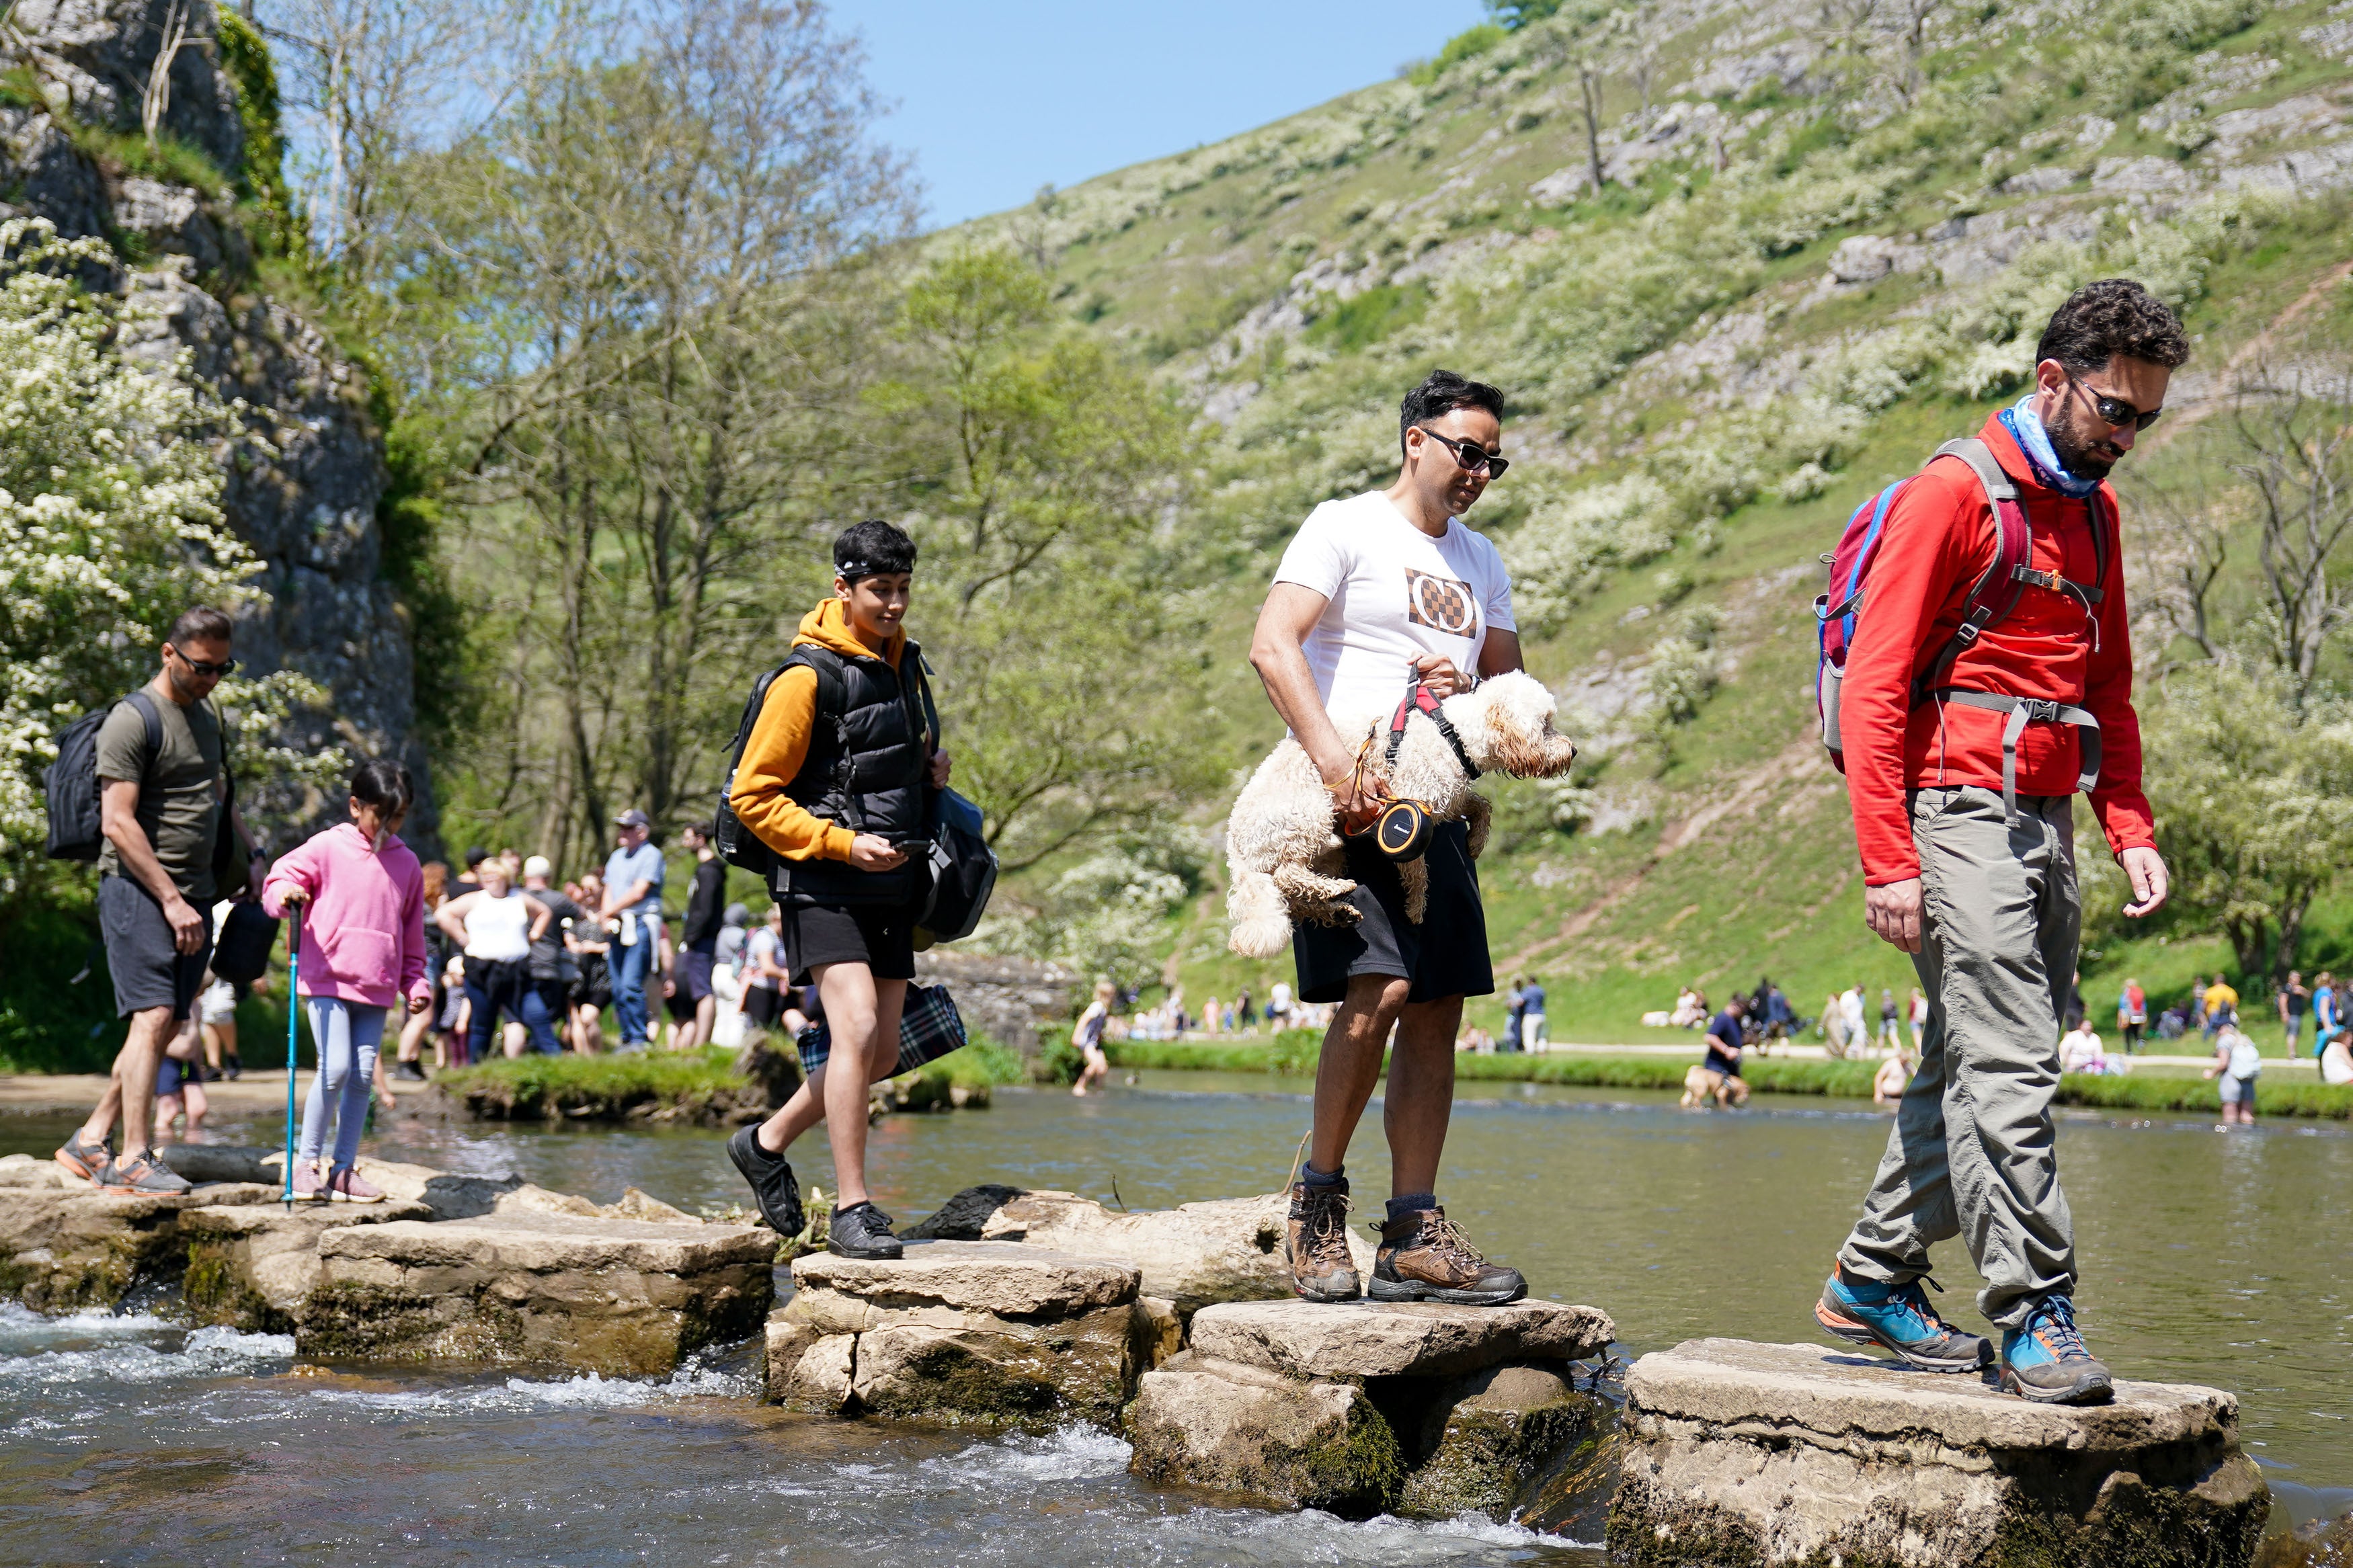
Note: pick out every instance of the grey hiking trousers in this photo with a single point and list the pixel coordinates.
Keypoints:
(1971, 1153)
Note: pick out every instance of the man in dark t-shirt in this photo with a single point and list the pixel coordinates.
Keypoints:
(1722, 1065)
(698, 941)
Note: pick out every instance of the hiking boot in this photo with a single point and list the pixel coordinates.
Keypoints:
(1423, 1257)
(145, 1173)
(2045, 1359)
(861, 1230)
(308, 1187)
(89, 1160)
(774, 1186)
(408, 1072)
(1316, 1243)
(344, 1186)
(1898, 1319)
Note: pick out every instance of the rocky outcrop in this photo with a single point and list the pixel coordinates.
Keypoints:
(599, 1294)
(65, 1247)
(249, 1266)
(1769, 1454)
(302, 460)
(963, 1333)
(1423, 1409)
(1193, 1254)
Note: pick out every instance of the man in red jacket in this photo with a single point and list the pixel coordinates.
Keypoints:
(1963, 783)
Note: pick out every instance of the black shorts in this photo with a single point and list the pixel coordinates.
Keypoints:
(764, 1005)
(879, 936)
(1718, 1062)
(678, 1004)
(1445, 955)
(693, 974)
(147, 971)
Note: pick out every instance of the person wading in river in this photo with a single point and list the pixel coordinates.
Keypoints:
(1374, 592)
(846, 735)
(1971, 866)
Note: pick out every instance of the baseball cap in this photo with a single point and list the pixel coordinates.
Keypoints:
(538, 866)
(633, 817)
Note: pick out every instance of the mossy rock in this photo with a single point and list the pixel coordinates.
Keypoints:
(217, 1292)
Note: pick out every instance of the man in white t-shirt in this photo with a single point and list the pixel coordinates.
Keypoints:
(1375, 591)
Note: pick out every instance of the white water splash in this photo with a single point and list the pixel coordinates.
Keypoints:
(589, 1391)
(206, 1353)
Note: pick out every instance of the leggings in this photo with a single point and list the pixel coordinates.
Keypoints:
(346, 1035)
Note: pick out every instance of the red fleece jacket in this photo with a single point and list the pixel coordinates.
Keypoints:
(1939, 539)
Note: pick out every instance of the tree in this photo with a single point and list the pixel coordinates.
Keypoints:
(2296, 454)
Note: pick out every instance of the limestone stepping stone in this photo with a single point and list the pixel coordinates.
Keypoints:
(599, 1294)
(250, 1266)
(1418, 1408)
(1765, 1452)
(65, 1245)
(988, 1334)
(1230, 1249)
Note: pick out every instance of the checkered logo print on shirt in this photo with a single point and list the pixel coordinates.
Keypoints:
(1441, 603)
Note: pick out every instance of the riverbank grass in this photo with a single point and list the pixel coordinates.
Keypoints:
(1293, 1052)
(645, 1083)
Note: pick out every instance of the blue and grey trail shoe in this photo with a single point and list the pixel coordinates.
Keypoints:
(1897, 1318)
(2045, 1359)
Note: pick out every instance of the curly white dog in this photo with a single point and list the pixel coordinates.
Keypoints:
(1282, 847)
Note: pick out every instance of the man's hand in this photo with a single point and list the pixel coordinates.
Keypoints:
(1440, 674)
(2145, 867)
(939, 770)
(188, 926)
(872, 852)
(1340, 777)
(418, 1004)
(1893, 913)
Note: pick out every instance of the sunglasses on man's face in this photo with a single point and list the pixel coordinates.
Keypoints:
(198, 667)
(2115, 411)
(1471, 459)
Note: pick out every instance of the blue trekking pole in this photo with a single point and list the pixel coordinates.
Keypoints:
(293, 1023)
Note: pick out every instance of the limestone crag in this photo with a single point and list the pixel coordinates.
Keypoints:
(1013, 1001)
(596, 1293)
(1770, 1454)
(250, 1265)
(302, 461)
(65, 1247)
(964, 1333)
(1419, 1408)
(1194, 1255)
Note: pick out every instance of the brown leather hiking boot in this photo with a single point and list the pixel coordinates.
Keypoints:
(1316, 1243)
(1423, 1257)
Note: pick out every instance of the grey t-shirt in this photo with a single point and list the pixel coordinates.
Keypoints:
(179, 789)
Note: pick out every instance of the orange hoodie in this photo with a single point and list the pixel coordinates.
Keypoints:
(779, 745)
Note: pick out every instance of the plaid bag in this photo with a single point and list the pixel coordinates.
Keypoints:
(929, 1028)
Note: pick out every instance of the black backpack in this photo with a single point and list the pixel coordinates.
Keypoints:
(71, 782)
(964, 870)
(738, 845)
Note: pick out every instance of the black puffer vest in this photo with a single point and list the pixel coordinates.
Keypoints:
(868, 765)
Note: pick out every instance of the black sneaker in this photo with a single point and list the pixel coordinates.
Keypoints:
(861, 1230)
(408, 1072)
(232, 1067)
(774, 1186)
(1423, 1257)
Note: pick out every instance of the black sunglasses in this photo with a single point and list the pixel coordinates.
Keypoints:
(199, 667)
(1469, 458)
(2116, 410)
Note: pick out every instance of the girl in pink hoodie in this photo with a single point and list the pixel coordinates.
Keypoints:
(363, 949)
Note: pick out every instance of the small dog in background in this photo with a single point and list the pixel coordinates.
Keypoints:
(1283, 849)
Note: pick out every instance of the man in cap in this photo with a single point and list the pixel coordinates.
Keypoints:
(633, 888)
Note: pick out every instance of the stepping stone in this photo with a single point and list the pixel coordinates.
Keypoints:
(964, 1333)
(1416, 1338)
(1765, 1452)
(602, 1295)
(250, 1266)
(1415, 1408)
(67, 1248)
(1193, 1254)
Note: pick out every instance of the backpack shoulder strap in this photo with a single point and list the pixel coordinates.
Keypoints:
(832, 687)
(1997, 589)
(142, 704)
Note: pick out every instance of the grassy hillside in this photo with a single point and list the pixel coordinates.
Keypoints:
(1816, 251)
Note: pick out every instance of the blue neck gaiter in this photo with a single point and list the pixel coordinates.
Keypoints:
(2020, 420)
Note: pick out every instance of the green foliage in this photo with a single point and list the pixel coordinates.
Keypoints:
(568, 1085)
(57, 1005)
(1363, 320)
(261, 176)
(170, 160)
(1468, 43)
(411, 518)
(1518, 14)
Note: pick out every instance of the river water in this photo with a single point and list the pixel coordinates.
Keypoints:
(2208, 1256)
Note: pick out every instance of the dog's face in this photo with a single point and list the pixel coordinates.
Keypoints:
(1511, 731)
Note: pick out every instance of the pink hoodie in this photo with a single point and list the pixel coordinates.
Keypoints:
(363, 932)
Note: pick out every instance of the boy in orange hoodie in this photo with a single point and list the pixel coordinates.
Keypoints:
(836, 778)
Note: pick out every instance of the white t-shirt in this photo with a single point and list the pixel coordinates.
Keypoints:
(1396, 594)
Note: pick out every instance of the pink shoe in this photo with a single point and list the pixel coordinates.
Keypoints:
(345, 1187)
(308, 1188)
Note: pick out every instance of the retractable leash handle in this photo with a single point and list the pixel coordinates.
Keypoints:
(293, 1026)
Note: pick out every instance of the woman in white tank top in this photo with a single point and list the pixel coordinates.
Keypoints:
(496, 928)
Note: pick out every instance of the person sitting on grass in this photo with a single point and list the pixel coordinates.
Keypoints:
(2238, 1061)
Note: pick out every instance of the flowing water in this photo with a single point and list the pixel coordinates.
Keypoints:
(2208, 1256)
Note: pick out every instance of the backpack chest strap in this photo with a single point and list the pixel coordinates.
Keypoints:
(2022, 712)
(2056, 584)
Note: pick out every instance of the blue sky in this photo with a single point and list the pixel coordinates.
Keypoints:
(998, 97)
